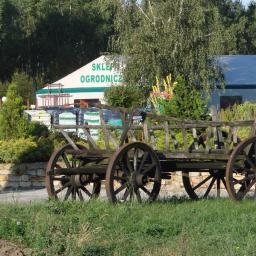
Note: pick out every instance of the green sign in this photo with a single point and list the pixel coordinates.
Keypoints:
(100, 78)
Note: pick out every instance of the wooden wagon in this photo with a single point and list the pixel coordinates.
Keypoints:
(132, 159)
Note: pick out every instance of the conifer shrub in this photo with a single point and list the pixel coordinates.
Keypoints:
(187, 102)
(21, 140)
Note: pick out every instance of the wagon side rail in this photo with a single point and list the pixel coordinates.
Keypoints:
(182, 138)
(111, 136)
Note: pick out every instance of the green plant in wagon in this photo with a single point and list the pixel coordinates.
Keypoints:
(162, 94)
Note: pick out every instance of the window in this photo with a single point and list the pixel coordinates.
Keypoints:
(82, 103)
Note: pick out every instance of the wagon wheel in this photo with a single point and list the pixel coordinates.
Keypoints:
(133, 173)
(209, 185)
(241, 170)
(64, 187)
(204, 187)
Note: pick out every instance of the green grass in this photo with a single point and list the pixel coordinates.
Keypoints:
(176, 227)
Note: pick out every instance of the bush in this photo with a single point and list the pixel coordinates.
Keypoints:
(13, 124)
(38, 130)
(125, 96)
(187, 102)
(25, 150)
(245, 111)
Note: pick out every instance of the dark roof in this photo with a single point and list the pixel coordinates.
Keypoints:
(239, 70)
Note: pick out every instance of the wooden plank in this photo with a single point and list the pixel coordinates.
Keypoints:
(198, 156)
(220, 140)
(253, 129)
(174, 140)
(90, 139)
(194, 132)
(104, 130)
(185, 138)
(127, 126)
(145, 131)
(108, 133)
(201, 165)
(70, 141)
(167, 139)
(234, 136)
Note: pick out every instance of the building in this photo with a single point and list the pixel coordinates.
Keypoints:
(84, 86)
(87, 85)
(240, 77)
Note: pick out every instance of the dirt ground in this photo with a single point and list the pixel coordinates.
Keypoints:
(9, 249)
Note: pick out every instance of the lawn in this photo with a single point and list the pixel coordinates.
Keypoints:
(175, 227)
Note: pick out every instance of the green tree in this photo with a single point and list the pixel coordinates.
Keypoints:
(24, 87)
(234, 19)
(160, 37)
(125, 96)
(251, 28)
(13, 124)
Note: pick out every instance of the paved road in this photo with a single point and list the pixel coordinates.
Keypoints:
(24, 196)
(40, 195)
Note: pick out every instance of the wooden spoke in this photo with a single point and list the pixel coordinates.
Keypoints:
(246, 170)
(86, 191)
(137, 192)
(218, 187)
(145, 190)
(68, 193)
(202, 182)
(149, 168)
(144, 158)
(242, 193)
(248, 160)
(135, 159)
(80, 195)
(60, 161)
(128, 164)
(63, 187)
(202, 189)
(66, 160)
(142, 164)
(224, 182)
(74, 193)
(122, 187)
(209, 188)
(126, 194)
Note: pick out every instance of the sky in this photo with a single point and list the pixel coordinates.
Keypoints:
(246, 2)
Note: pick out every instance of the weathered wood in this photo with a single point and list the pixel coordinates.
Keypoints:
(174, 140)
(234, 136)
(198, 156)
(167, 140)
(70, 141)
(96, 169)
(194, 132)
(107, 131)
(146, 132)
(185, 138)
(127, 126)
(104, 130)
(90, 139)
